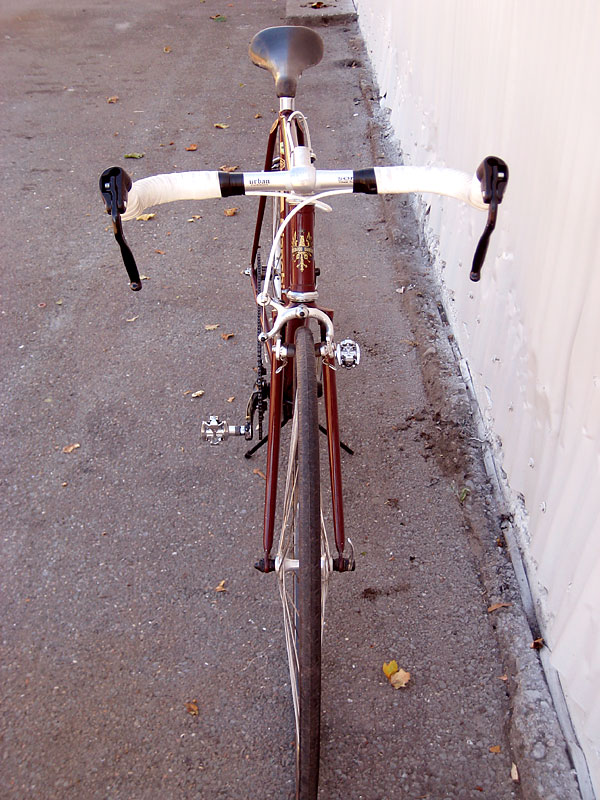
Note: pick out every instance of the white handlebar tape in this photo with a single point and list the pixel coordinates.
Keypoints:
(438, 180)
(159, 189)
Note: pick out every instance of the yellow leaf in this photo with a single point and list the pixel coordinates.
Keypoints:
(192, 147)
(496, 606)
(230, 212)
(390, 668)
(132, 319)
(71, 447)
(221, 587)
(230, 399)
(400, 679)
(192, 708)
(211, 327)
(199, 393)
(260, 474)
(134, 155)
(113, 99)
(221, 125)
(227, 168)
(495, 748)
(258, 116)
(145, 217)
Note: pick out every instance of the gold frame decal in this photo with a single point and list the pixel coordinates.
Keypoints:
(302, 250)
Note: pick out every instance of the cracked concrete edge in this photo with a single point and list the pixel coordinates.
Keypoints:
(531, 708)
(305, 12)
(548, 757)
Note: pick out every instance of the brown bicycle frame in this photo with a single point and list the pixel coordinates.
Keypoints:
(298, 275)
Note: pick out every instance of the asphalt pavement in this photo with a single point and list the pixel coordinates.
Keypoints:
(143, 655)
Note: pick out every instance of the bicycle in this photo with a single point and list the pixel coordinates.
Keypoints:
(297, 361)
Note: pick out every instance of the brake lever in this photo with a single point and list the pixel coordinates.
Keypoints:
(115, 183)
(493, 176)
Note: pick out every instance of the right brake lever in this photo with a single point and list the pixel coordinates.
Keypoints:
(115, 183)
(493, 175)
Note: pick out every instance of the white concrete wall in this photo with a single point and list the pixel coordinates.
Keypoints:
(468, 78)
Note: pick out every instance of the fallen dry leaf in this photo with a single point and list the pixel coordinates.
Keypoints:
(496, 606)
(227, 336)
(113, 99)
(160, 252)
(211, 327)
(132, 319)
(199, 393)
(514, 772)
(221, 587)
(390, 668)
(260, 474)
(227, 168)
(145, 217)
(192, 708)
(400, 679)
(495, 748)
(230, 212)
(218, 17)
(194, 217)
(230, 399)
(167, 49)
(192, 147)
(134, 155)
(258, 116)
(221, 125)
(70, 448)
(537, 644)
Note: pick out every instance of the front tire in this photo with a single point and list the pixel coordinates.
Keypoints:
(300, 567)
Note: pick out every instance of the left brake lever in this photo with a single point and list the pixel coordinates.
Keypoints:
(493, 176)
(115, 184)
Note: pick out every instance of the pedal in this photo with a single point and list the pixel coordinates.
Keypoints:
(216, 430)
(347, 354)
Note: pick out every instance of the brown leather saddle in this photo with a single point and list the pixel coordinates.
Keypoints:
(286, 51)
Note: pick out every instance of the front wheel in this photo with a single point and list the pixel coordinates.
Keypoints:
(303, 565)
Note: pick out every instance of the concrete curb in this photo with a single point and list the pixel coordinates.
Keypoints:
(302, 12)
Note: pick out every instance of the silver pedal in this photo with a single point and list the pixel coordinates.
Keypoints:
(347, 354)
(216, 430)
